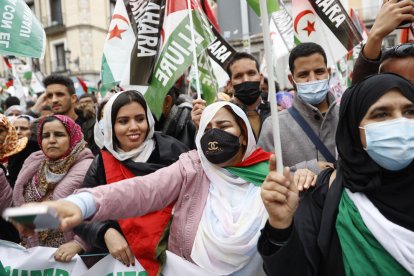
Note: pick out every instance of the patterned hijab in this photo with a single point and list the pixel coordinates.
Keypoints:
(52, 171)
(11, 144)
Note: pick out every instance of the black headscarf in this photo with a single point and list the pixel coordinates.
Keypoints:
(392, 192)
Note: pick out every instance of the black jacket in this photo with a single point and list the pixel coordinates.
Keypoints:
(179, 124)
(167, 150)
(16, 161)
(312, 245)
(87, 125)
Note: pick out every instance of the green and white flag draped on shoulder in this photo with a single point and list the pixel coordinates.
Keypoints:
(176, 55)
(21, 34)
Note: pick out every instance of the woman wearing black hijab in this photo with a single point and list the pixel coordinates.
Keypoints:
(359, 220)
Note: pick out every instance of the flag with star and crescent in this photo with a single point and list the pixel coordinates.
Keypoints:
(326, 23)
(174, 54)
(118, 47)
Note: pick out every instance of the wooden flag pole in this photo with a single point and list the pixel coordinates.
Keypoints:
(194, 48)
(272, 90)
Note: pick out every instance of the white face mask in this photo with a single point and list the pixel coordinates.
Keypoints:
(391, 143)
(313, 92)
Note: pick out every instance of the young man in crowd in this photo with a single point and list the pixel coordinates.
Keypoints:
(61, 97)
(314, 108)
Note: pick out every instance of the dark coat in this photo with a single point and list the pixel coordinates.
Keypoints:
(312, 246)
(87, 126)
(16, 161)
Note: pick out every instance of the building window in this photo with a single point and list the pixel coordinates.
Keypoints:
(56, 12)
(60, 64)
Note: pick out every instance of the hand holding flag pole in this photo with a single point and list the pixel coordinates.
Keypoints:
(194, 47)
(272, 92)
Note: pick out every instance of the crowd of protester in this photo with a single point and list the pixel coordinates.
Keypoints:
(201, 181)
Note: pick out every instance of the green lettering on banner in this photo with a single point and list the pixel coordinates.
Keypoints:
(119, 274)
(35, 273)
(48, 272)
(61, 272)
(130, 273)
(110, 274)
(144, 273)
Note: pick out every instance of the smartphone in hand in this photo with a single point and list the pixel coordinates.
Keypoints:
(39, 217)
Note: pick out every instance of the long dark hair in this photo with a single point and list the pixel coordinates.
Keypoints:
(125, 98)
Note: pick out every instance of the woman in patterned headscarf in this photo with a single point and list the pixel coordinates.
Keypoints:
(9, 142)
(51, 173)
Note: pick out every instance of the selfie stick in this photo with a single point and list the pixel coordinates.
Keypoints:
(272, 89)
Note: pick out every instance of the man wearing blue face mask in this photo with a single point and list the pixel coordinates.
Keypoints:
(308, 128)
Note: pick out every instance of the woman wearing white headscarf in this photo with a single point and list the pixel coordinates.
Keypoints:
(218, 212)
(130, 148)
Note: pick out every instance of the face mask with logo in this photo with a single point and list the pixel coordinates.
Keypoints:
(313, 92)
(219, 146)
(391, 143)
(247, 92)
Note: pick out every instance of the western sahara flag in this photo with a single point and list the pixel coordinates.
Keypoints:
(131, 46)
(21, 34)
(118, 47)
(176, 53)
(327, 23)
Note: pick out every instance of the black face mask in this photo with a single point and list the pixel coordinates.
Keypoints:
(247, 92)
(219, 146)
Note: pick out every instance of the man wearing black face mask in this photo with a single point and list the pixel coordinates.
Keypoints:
(243, 70)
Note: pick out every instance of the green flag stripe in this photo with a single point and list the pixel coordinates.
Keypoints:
(272, 6)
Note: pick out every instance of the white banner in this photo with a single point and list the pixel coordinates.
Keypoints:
(16, 260)
(108, 266)
(179, 266)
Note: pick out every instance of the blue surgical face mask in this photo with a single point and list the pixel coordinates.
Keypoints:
(313, 92)
(391, 143)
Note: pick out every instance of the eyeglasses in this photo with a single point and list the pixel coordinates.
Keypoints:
(403, 50)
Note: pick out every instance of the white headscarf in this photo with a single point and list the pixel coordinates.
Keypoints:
(140, 154)
(234, 213)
